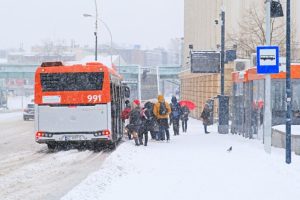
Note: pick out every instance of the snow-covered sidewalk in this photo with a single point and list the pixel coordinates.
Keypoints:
(193, 166)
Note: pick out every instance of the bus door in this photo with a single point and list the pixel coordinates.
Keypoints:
(119, 98)
(116, 108)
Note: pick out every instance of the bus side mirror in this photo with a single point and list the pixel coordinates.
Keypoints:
(126, 91)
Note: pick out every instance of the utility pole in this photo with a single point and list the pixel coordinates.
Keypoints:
(223, 100)
(288, 83)
(96, 32)
(222, 50)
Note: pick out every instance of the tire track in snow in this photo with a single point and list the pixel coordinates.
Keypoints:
(29, 171)
(50, 176)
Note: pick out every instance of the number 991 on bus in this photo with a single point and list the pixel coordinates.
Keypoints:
(94, 98)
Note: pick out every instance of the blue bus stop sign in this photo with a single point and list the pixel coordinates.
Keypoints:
(267, 59)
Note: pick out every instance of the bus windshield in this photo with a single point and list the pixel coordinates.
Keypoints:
(79, 81)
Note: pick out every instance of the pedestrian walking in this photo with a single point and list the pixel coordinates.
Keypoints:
(162, 110)
(150, 119)
(184, 117)
(175, 115)
(147, 123)
(135, 121)
(205, 117)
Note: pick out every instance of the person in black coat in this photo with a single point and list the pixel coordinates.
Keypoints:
(149, 123)
(150, 119)
(205, 117)
(175, 115)
(135, 121)
(184, 117)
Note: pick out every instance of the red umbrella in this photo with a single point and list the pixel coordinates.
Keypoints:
(191, 105)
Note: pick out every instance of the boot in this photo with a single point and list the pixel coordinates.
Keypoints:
(136, 142)
(205, 129)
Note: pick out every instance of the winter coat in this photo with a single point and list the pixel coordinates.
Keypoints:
(205, 115)
(135, 120)
(185, 113)
(151, 121)
(161, 99)
(175, 109)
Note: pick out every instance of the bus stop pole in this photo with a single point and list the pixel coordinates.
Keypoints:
(288, 156)
(267, 111)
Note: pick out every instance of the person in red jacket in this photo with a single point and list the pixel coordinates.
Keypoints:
(125, 115)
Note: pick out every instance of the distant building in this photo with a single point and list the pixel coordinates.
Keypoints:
(38, 58)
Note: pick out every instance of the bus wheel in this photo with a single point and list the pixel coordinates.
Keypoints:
(82, 146)
(112, 145)
(52, 146)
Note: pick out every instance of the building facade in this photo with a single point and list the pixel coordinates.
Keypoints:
(202, 28)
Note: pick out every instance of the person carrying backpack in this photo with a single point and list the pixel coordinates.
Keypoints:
(135, 121)
(175, 115)
(150, 119)
(184, 117)
(162, 110)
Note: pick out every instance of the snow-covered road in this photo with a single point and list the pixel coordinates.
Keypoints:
(29, 172)
(193, 166)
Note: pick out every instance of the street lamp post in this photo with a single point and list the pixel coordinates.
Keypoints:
(223, 126)
(288, 83)
(96, 29)
(108, 30)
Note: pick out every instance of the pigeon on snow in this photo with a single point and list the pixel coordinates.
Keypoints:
(230, 149)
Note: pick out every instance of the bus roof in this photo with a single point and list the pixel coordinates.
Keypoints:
(52, 67)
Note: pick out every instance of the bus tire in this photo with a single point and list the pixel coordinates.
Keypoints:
(51, 146)
(112, 145)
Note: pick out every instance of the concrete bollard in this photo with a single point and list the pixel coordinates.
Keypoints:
(297, 144)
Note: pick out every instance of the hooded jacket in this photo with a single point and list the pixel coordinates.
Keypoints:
(161, 99)
(175, 109)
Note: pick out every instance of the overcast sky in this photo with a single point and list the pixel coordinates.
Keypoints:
(150, 23)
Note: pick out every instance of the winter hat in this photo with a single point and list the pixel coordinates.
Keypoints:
(160, 98)
(137, 102)
(174, 99)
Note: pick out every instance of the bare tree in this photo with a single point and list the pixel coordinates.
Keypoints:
(252, 33)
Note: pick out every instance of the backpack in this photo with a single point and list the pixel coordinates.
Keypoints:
(162, 108)
(175, 111)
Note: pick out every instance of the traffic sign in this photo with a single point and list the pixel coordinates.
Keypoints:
(267, 59)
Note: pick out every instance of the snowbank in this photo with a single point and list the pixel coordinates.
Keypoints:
(6, 117)
(18, 102)
(295, 129)
(193, 166)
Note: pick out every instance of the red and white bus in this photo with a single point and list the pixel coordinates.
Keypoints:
(78, 104)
